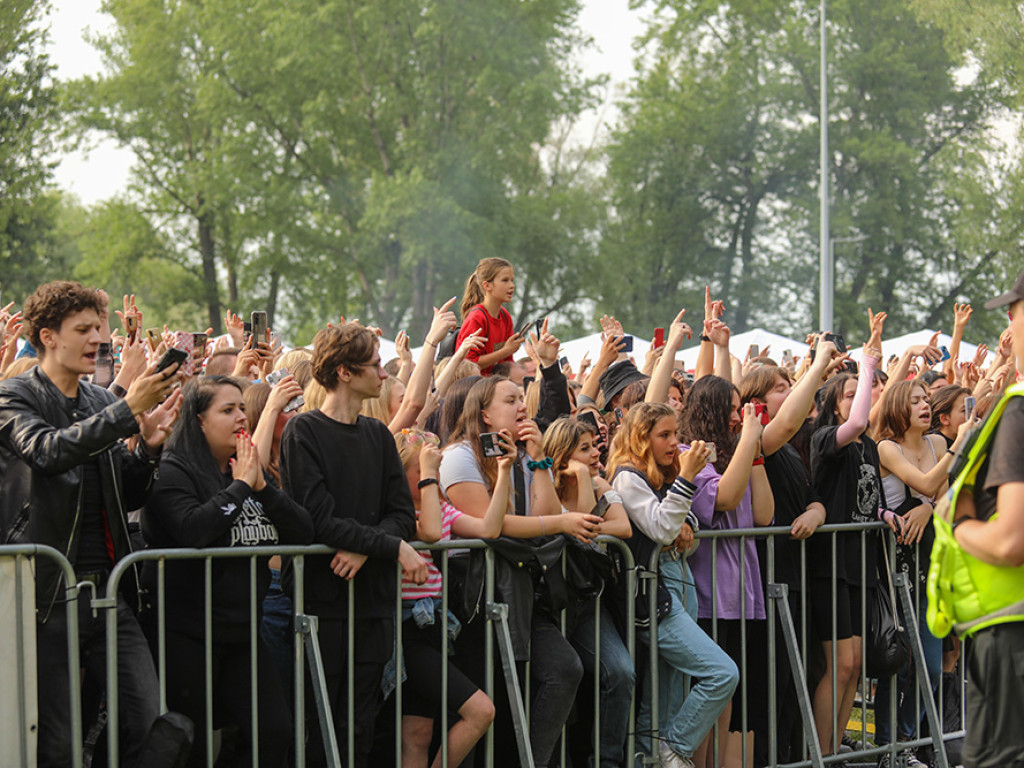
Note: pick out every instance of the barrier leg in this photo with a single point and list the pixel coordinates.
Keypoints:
(779, 593)
(920, 670)
(307, 625)
(499, 613)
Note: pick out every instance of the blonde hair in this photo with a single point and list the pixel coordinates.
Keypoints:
(632, 446)
(466, 368)
(560, 442)
(289, 359)
(379, 407)
(19, 367)
(486, 271)
(314, 394)
(532, 399)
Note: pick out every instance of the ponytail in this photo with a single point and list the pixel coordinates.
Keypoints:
(485, 271)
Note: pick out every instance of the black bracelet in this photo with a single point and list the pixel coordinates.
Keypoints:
(705, 338)
(428, 481)
(951, 452)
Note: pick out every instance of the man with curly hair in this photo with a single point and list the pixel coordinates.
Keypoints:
(67, 479)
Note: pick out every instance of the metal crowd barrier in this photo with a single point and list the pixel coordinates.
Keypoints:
(305, 637)
(780, 620)
(780, 623)
(19, 553)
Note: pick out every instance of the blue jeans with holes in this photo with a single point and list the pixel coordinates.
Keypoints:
(684, 650)
(616, 679)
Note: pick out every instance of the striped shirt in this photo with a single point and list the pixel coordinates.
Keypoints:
(432, 586)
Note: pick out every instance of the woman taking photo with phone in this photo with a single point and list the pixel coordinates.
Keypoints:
(949, 411)
(437, 520)
(656, 486)
(731, 492)
(469, 478)
(571, 444)
(213, 492)
(488, 289)
(915, 470)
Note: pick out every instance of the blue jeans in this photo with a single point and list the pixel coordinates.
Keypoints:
(684, 649)
(910, 706)
(137, 684)
(276, 630)
(616, 680)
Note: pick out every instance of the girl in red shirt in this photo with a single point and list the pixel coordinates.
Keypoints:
(491, 285)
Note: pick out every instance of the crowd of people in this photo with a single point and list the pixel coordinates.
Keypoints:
(115, 437)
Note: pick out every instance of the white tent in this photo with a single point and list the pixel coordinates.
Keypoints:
(591, 345)
(740, 343)
(900, 344)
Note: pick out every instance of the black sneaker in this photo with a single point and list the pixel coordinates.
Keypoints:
(849, 744)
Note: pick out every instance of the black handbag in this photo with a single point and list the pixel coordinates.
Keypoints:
(885, 642)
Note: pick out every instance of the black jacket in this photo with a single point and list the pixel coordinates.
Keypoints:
(182, 513)
(44, 441)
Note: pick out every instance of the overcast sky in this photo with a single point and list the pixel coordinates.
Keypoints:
(103, 171)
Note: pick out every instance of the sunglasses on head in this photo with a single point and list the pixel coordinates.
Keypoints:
(415, 438)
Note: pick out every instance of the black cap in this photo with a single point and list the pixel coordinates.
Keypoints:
(1014, 294)
(617, 378)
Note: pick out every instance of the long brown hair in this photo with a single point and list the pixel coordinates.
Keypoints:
(760, 381)
(707, 414)
(485, 272)
(471, 425)
(894, 411)
(632, 447)
(560, 441)
(943, 399)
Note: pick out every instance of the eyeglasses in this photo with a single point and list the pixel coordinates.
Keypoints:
(415, 438)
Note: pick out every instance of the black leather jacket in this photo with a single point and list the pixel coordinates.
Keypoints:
(44, 440)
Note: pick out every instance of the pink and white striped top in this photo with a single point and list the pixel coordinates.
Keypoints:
(432, 586)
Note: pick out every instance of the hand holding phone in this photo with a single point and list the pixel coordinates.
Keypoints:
(490, 444)
(970, 405)
(659, 338)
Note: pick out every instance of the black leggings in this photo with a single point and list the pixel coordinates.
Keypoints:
(186, 686)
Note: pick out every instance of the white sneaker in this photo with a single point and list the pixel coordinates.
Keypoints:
(669, 758)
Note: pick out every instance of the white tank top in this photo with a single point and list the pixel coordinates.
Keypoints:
(896, 490)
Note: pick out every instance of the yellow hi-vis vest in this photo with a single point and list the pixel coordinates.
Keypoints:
(966, 594)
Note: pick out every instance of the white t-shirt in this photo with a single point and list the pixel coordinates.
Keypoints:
(459, 465)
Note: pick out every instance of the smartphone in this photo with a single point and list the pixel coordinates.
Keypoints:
(787, 357)
(970, 403)
(849, 366)
(199, 345)
(659, 338)
(184, 341)
(172, 356)
(154, 338)
(836, 339)
(562, 362)
(753, 351)
(131, 322)
(945, 354)
(259, 326)
(591, 419)
(713, 455)
(491, 444)
(619, 414)
(246, 331)
(761, 410)
(538, 326)
(273, 379)
(628, 342)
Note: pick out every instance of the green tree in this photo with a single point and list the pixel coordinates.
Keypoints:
(31, 250)
(714, 168)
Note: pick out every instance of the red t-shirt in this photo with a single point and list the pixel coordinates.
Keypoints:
(497, 330)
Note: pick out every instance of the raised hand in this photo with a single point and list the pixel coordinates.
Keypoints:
(718, 332)
(961, 314)
(679, 331)
(444, 321)
(980, 356)
(235, 327)
(712, 309)
(546, 346)
(475, 340)
(876, 323)
(156, 425)
(282, 393)
(611, 326)
(402, 348)
(152, 387)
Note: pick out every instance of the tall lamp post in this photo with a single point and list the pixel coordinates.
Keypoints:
(825, 304)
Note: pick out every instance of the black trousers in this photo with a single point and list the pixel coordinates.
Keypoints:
(232, 697)
(374, 645)
(995, 697)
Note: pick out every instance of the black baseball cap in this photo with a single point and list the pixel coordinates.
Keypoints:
(1014, 294)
